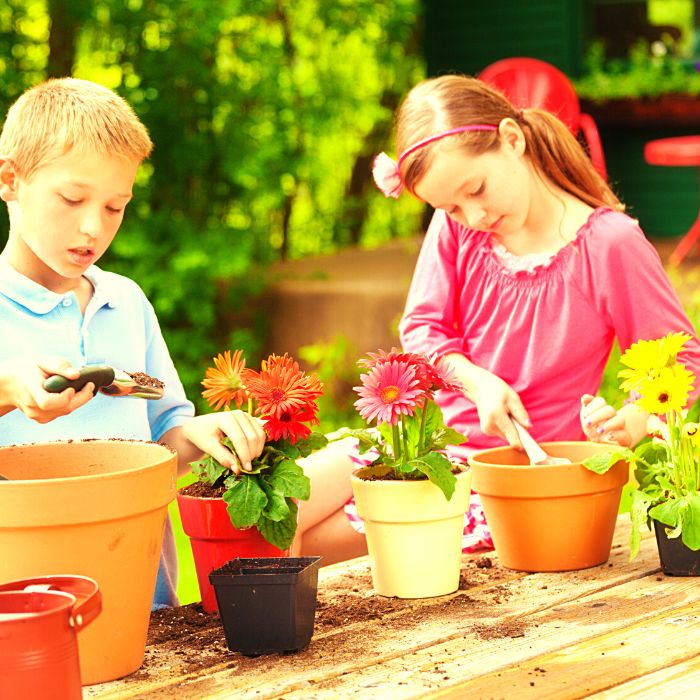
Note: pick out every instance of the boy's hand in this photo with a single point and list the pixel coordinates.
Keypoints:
(245, 432)
(601, 422)
(22, 387)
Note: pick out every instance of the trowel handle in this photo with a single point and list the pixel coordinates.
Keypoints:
(99, 375)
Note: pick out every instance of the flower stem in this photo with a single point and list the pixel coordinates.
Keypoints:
(421, 434)
(396, 439)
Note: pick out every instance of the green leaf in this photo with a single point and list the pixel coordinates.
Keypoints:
(603, 462)
(276, 508)
(691, 522)
(444, 437)
(693, 415)
(638, 516)
(245, 501)
(669, 512)
(314, 442)
(288, 479)
(208, 470)
(280, 534)
(439, 470)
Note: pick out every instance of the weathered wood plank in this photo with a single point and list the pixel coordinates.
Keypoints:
(592, 665)
(396, 651)
(679, 681)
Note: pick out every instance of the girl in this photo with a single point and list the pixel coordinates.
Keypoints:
(529, 269)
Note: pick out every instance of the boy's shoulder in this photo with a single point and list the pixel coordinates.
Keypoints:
(115, 287)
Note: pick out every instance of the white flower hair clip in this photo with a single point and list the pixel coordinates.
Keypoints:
(387, 172)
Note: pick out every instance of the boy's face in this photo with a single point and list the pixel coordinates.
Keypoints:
(64, 217)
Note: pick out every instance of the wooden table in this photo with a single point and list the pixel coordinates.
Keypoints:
(620, 630)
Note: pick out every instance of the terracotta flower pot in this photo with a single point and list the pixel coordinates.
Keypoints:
(414, 534)
(549, 518)
(676, 559)
(215, 541)
(267, 605)
(94, 508)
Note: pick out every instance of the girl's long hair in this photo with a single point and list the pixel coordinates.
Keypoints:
(451, 101)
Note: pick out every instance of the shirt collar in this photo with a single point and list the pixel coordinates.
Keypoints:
(39, 300)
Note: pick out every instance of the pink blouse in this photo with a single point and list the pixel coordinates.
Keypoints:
(548, 332)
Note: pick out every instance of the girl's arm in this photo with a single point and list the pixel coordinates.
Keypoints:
(431, 324)
(495, 400)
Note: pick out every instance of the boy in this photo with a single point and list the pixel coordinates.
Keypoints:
(69, 152)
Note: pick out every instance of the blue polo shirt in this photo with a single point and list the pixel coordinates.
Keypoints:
(119, 328)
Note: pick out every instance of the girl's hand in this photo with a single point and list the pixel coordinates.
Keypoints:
(496, 402)
(22, 387)
(602, 423)
(245, 432)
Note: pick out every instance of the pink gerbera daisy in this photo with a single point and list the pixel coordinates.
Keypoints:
(389, 390)
(441, 375)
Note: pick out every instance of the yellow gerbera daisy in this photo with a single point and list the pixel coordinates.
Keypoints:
(667, 391)
(646, 358)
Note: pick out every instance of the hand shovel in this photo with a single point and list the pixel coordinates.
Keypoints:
(536, 454)
(109, 381)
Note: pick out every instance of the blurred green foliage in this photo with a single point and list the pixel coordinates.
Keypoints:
(642, 75)
(265, 116)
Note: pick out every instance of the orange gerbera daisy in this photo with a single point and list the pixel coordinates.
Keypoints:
(223, 381)
(281, 387)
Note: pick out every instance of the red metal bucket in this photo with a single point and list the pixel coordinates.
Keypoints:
(39, 619)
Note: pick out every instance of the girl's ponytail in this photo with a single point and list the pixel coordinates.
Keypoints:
(556, 153)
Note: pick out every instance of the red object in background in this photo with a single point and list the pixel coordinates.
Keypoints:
(529, 82)
(215, 541)
(677, 151)
(39, 621)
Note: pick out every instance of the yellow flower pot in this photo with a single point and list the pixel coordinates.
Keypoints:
(92, 508)
(414, 534)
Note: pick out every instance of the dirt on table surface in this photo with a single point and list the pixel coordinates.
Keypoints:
(347, 603)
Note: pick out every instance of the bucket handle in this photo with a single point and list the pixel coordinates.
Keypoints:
(88, 599)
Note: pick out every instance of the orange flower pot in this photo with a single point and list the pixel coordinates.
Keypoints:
(215, 541)
(93, 508)
(549, 518)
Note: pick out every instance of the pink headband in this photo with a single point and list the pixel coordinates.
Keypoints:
(385, 170)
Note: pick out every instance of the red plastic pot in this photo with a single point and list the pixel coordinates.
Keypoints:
(39, 621)
(215, 541)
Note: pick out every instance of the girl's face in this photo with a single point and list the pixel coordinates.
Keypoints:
(64, 217)
(488, 192)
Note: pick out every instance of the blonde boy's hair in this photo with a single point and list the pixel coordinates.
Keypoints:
(61, 114)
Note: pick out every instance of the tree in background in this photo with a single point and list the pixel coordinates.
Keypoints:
(265, 116)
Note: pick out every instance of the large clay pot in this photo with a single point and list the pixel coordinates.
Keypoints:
(414, 534)
(215, 541)
(94, 508)
(549, 518)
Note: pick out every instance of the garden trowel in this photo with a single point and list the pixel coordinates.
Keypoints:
(109, 381)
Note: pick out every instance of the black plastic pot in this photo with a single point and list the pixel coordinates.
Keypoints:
(267, 605)
(676, 559)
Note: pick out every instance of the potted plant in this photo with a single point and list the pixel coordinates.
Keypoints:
(667, 467)
(412, 498)
(549, 517)
(252, 513)
(267, 605)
